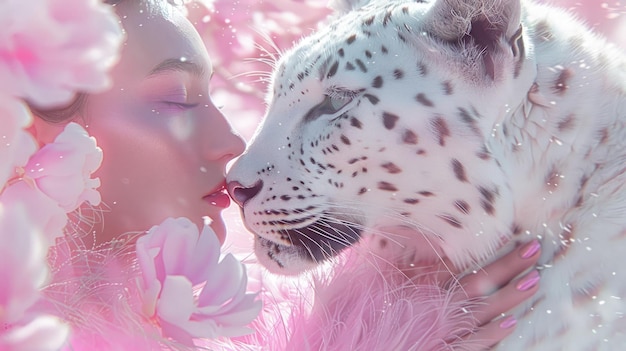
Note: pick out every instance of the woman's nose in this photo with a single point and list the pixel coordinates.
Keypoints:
(220, 141)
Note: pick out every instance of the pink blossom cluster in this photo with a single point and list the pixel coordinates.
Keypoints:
(46, 52)
(53, 48)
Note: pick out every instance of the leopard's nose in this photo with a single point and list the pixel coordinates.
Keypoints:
(242, 194)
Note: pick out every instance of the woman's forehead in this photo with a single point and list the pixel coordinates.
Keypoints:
(157, 34)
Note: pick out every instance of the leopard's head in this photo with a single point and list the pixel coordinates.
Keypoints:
(381, 120)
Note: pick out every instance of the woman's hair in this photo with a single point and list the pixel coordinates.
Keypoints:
(63, 113)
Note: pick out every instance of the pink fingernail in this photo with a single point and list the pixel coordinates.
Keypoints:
(530, 249)
(529, 281)
(508, 322)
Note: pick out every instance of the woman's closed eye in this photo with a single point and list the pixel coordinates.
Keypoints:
(179, 105)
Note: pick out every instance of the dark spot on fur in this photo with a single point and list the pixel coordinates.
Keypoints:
(409, 137)
(377, 82)
(462, 206)
(384, 50)
(351, 39)
(369, 21)
(386, 186)
(411, 201)
(516, 229)
(345, 140)
(421, 68)
(470, 120)
(341, 53)
(361, 65)
(543, 30)
(372, 98)
(387, 18)
(483, 153)
(426, 193)
(487, 194)
(459, 170)
(422, 99)
(350, 66)
(450, 220)
(488, 207)
(391, 167)
(488, 199)
(356, 123)
(389, 120)
(603, 136)
(562, 81)
(333, 69)
(368, 54)
(398, 74)
(567, 123)
(440, 129)
(447, 87)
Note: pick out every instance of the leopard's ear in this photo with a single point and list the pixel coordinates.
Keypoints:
(492, 26)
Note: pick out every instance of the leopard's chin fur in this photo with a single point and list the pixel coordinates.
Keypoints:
(478, 125)
(305, 247)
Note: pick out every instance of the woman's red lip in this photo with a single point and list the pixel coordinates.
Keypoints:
(219, 198)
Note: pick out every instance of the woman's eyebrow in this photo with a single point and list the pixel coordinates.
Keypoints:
(177, 65)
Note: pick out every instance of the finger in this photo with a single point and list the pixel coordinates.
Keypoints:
(501, 271)
(506, 298)
(490, 334)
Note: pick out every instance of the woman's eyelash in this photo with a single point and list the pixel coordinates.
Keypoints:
(181, 105)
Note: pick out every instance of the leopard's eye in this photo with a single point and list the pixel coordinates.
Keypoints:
(331, 105)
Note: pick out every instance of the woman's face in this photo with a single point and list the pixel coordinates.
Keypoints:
(165, 144)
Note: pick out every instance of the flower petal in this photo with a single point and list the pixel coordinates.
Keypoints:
(176, 303)
(44, 333)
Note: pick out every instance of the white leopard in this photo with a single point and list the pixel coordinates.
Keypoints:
(477, 124)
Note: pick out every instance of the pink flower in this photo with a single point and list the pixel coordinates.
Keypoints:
(175, 259)
(45, 215)
(62, 169)
(23, 273)
(43, 333)
(23, 270)
(16, 145)
(56, 47)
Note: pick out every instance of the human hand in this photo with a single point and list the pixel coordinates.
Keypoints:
(494, 290)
